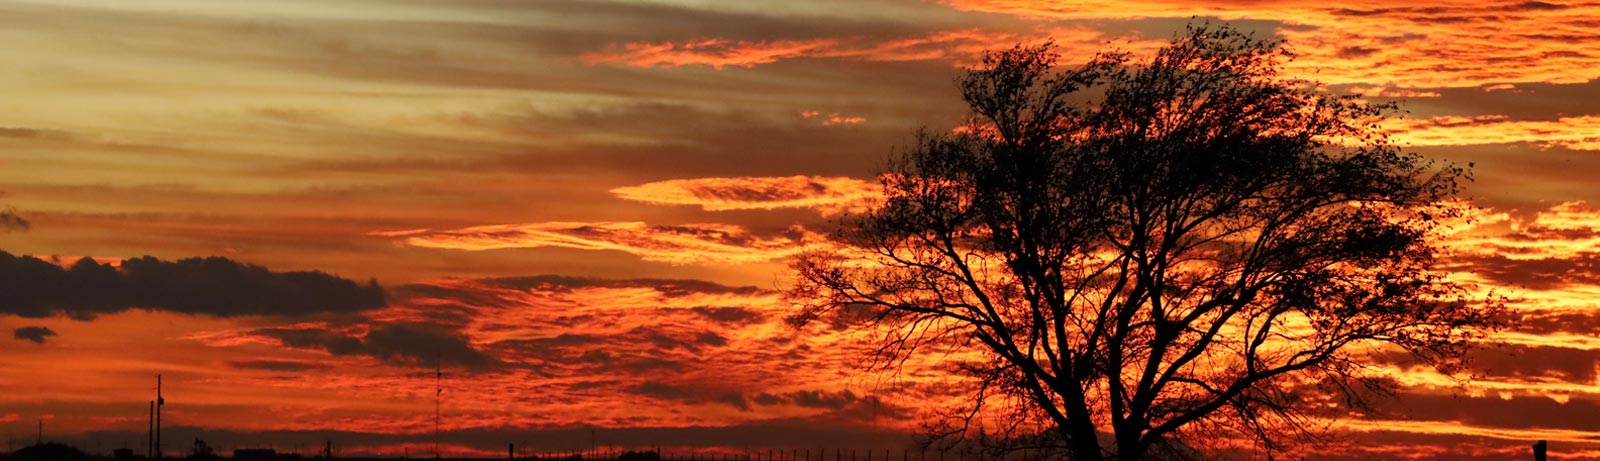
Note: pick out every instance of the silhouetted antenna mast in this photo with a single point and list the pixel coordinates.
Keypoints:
(438, 390)
(160, 402)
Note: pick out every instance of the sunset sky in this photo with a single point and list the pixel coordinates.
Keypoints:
(583, 208)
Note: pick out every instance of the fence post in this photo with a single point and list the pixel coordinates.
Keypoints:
(1538, 450)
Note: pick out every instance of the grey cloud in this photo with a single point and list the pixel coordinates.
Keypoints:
(735, 315)
(732, 399)
(822, 399)
(664, 391)
(32, 287)
(35, 334)
(408, 344)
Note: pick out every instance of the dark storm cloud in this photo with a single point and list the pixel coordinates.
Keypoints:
(35, 334)
(407, 344)
(32, 287)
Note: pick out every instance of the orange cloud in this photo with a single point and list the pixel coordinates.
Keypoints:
(1458, 44)
(676, 244)
(1448, 44)
(836, 119)
(833, 118)
(710, 52)
(1553, 246)
(1578, 133)
(961, 46)
(829, 195)
(1382, 92)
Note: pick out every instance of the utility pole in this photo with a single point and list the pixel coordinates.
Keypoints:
(41, 432)
(150, 434)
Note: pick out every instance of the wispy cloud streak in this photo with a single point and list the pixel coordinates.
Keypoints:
(828, 195)
(673, 244)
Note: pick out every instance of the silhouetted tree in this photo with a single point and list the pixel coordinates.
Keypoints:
(631, 455)
(202, 451)
(50, 451)
(1151, 255)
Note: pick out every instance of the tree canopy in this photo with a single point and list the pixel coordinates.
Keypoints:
(1145, 252)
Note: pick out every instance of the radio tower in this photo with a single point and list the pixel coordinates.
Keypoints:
(160, 402)
(438, 390)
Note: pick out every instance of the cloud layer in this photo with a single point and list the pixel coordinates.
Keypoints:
(1452, 44)
(1577, 133)
(673, 244)
(562, 117)
(35, 334)
(32, 287)
(954, 45)
(828, 195)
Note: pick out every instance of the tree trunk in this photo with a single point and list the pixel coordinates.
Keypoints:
(1082, 441)
(1129, 448)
